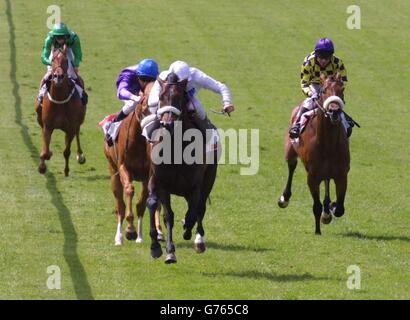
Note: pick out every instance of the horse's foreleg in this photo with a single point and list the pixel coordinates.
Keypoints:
(317, 205)
(287, 193)
(45, 150)
(80, 154)
(209, 179)
(141, 205)
(169, 223)
(158, 223)
(338, 209)
(326, 217)
(199, 242)
(117, 190)
(192, 214)
(126, 180)
(152, 204)
(67, 151)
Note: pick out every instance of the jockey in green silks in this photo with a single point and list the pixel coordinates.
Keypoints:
(57, 37)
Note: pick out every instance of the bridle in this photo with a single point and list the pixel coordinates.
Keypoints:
(325, 106)
(170, 108)
(57, 77)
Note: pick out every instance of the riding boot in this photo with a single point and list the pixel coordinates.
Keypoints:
(120, 116)
(80, 81)
(348, 123)
(294, 131)
(84, 96)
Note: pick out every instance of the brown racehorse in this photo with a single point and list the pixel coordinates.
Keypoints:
(324, 150)
(129, 159)
(193, 181)
(61, 109)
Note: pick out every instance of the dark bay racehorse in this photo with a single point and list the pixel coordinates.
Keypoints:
(324, 150)
(192, 181)
(62, 109)
(129, 160)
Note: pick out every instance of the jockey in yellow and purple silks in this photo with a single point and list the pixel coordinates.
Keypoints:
(57, 37)
(321, 60)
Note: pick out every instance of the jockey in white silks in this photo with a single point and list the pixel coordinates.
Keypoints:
(197, 80)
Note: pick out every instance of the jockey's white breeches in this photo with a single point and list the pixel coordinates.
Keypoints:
(129, 106)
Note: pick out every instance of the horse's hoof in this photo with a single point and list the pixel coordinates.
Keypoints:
(118, 242)
(160, 236)
(282, 203)
(337, 212)
(139, 240)
(170, 258)
(81, 158)
(42, 169)
(325, 218)
(332, 208)
(156, 253)
(199, 247)
(131, 235)
(187, 235)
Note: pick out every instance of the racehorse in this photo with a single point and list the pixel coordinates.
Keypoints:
(323, 147)
(193, 181)
(61, 109)
(128, 160)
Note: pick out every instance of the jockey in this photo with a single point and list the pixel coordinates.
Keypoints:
(321, 60)
(197, 79)
(57, 37)
(131, 83)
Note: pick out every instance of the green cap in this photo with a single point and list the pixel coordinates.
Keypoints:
(60, 29)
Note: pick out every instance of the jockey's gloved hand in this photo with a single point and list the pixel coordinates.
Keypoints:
(228, 108)
(135, 98)
(314, 95)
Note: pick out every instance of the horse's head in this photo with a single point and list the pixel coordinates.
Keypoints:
(172, 100)
(60, 65)
(332, 96)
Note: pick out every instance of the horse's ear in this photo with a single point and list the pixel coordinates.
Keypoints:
(322, 78)
(161, 82)
(338, 77)
(64, 49)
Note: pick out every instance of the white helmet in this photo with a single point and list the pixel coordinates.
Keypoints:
(181, 69)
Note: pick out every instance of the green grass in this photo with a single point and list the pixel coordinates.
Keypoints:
(255, 250)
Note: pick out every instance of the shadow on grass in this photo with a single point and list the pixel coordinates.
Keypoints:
(81, 286)
(270, 276)
(360, 235)
(225, 247)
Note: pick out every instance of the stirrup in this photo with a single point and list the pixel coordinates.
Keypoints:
(109, 140)
(294, 132)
